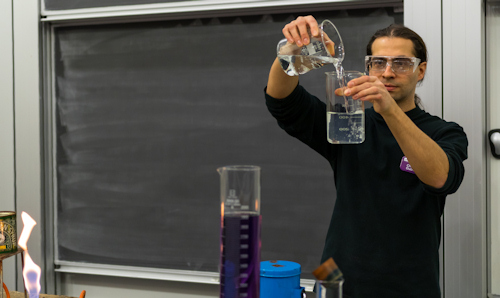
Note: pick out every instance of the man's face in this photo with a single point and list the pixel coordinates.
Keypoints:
(401, 86)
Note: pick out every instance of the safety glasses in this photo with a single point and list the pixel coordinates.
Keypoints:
(399, 65)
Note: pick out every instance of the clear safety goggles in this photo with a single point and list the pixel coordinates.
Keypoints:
(399, 65)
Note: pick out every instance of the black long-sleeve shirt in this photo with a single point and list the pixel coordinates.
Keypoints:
(385, 229)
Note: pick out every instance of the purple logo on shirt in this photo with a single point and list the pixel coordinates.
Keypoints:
(405, 165)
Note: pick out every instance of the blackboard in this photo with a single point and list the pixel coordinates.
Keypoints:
(146, 113)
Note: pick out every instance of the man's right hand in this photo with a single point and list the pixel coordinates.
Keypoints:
(279, 84)
(297, 31)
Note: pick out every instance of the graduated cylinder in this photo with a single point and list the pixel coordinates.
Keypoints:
(240, 231)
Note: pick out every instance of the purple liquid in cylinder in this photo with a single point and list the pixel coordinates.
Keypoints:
(240, 256)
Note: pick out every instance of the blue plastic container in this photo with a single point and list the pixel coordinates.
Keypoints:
(280, 279)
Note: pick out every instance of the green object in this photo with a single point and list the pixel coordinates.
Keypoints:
(8, 232)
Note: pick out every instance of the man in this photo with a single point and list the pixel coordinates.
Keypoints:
(385, 228)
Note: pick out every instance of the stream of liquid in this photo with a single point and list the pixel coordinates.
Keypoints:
(342, 82)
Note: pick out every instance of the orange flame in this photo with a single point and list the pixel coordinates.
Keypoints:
(31, 271)
(221, 224)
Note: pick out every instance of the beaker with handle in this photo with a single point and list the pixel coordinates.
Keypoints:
(240, 231)
(327, 48)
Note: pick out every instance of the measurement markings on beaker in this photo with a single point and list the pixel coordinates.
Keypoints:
(239, 255)
(240, 231)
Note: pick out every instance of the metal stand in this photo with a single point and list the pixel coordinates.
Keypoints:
(329, 289)
(4, 256)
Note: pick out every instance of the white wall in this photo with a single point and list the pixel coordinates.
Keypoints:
(493, 107)
(424, 17)
(460, 24)
(19, 122)
(7, 197)
(464, 102)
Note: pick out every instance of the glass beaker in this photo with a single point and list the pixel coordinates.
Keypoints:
(240, 231)
(329, 289)
(345, 116)
(328, 48)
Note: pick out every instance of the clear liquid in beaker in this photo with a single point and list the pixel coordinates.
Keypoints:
(295, 65)
(346, 128)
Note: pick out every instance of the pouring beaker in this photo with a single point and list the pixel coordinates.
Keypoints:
(240, 231)
(327, 48)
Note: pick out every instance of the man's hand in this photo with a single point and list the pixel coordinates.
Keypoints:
(279, 84)
(297, 31)
(370, 88)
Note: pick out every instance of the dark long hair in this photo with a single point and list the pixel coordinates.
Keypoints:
(398, 30)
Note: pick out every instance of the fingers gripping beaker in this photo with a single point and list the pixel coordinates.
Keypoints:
(240, 231)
